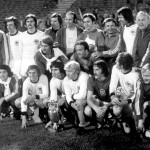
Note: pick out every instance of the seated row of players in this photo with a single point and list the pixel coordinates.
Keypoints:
(124, 92)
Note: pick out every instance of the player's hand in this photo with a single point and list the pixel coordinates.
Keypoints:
(30, 99)
(140, 125)
(100, 111)
(24, 122)
(115, 100)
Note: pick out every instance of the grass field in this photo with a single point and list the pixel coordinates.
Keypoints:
(38, 138)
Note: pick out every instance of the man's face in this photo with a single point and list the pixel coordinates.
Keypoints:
(3, 75)
(122, 20)
(30, 24)
(11, 27)
(70, 74)
(45, 48)
(97, 72)
(87, 23)
(56, 72)
(69, 20)
(33, 75)
(110, 26)
(146, 76)
(81, 52)
(55, 23)
(142, 22)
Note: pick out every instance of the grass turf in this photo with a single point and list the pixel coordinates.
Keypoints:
(38, 138)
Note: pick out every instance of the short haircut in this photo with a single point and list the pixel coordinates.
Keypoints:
(47, 40)
(73, 14)
(109, 20)
(73, 66)
(125, 60)
(83, 43)
(90, 15)
(142, 13)
(12, 18)
(32, 67)
(127, 14)
(31, 16)
(103, 66)
(58, 64)
(58, 16)
(145, 68)
(7, 68)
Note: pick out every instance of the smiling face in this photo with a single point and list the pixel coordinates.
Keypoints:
(80, 50)
(146, 76)
(3, 75)
(142, 21)
(55, 23)
(33, 75)
(88, 24)
(122, 20)
(110, 26)
(69, 20)
(11, 27)
(56, 72)
(45, 48)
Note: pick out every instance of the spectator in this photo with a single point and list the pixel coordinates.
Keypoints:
(56, 24)
(66, 37)
(141, 49)
(15, 44)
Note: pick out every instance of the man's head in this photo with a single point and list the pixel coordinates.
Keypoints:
(81, 48)
(100, 70)
(125, 16)
(109, 25)
(70, 19)
(142, 20)
(88, 20)
(33, 73)
(146, 73)
(57, 69)
(5, 72)
(30, 21)
(12, 24)
(72, 69)
(46, 44)
(56, 21)
(124, 62)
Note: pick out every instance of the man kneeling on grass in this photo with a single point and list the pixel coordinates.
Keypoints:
(35, 94)
(98, 85)
(10, 91)
(146, 86)
(126, 93)
(75, 85)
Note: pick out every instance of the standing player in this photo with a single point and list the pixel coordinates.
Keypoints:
(30, 43)
(14, 43)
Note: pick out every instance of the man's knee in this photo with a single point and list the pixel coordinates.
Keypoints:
(88, 111)
(18, 102)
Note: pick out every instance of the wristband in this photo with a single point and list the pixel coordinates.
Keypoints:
(24, 113)
(112, 94)
(129, 101)
(37, 96)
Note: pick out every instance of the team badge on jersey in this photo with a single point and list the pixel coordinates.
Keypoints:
(36, 41)
(102, 92)
(16, 43)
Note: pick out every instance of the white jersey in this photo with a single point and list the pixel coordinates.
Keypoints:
(129, 37)
(30, 45)
(15, 52)
(40, 88)
(78, 87)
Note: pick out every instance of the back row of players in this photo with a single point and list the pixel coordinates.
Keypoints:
(36, 59)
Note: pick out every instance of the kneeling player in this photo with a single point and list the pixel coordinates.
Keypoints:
(10, 91)
(35, 94)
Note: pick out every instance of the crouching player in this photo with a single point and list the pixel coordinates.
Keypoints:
(98, 85)
(75, 85)
(146, 86)
(10, 91)
(126, 93)
(56, 95)
(35, 94)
